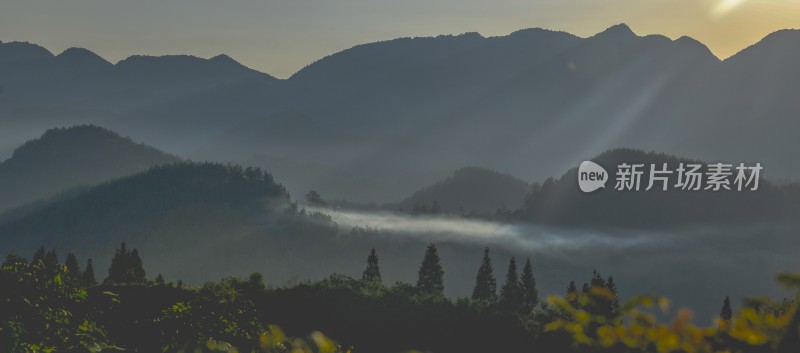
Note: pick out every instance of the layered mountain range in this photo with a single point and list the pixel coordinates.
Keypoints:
(373, 122)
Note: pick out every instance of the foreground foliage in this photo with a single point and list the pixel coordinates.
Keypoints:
(46, 306)
(761, 325)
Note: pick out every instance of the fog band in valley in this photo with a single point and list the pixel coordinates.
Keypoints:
(526, 237)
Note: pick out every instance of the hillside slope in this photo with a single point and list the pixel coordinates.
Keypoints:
(471, 189)
(69, 157)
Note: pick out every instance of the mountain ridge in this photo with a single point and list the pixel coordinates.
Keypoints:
(65, 158)
(404, 110)
(621, 30)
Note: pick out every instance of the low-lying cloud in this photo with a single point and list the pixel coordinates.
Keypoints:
(526, 237)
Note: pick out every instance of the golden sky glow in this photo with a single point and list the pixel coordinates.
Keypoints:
(282, 36)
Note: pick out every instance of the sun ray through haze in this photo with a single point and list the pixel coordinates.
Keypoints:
(726, 6)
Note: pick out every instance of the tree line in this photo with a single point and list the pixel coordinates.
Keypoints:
(49, 306)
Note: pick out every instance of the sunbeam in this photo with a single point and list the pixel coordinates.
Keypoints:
(726, 6)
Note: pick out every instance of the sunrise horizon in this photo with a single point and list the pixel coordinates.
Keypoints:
(280, 39)
(262, 69)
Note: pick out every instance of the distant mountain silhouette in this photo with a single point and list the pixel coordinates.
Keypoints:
(471, 189)
(74, 57)
(381, 118)
(77, 86)
(20, 52)
(174, 68)
(70, 157)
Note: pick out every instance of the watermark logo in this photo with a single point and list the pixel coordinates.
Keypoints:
(591, 176)
(687, 176)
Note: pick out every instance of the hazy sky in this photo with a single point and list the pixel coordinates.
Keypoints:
(281, 36)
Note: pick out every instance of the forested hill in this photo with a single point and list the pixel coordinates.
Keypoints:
(64, 158)
(560, 201)
(180, 202)
(471, 189)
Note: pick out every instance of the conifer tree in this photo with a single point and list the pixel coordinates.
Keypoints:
(88, 274)
(373, 272)
(38, 256)
(530, 295)
(126, 267)
(510, 293)
(485, 283)
(71, 263)
(604, 295)
(51, 259)
(726, 313)
(612, 287)
(597, 280)
(136, 267)
(160, 280)
(116, 272)
(431, 274)
(572, 293)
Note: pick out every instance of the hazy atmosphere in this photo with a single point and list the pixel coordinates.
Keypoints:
(572, 176)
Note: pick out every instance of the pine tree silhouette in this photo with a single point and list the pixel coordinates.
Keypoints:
(431, 274)
(485, 283)
(126, 267)
(597, 280)
(572, 294)
(530, 295)
(71, 263)
(510, 293)
(38, 256)
(88, 274)
(373, 272)
(612, 287)
(51, 259)
(726, 313)
(136, 267)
